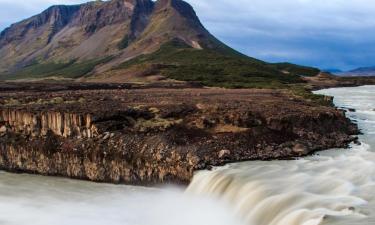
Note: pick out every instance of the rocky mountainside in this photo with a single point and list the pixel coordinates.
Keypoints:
(162, 39)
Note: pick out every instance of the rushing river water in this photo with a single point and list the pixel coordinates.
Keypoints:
(334, 187)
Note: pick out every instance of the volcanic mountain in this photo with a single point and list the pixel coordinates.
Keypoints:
(131, 40)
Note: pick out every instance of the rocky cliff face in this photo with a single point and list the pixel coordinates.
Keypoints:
(57, 17)
(39, 124)
(124, 136)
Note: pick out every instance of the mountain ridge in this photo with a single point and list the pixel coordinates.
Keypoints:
(358, 72)
(94, 38)
(362, 71)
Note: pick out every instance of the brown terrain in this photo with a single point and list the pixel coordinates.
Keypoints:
(155, 134)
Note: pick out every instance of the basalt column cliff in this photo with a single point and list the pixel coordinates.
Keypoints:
(124, 136)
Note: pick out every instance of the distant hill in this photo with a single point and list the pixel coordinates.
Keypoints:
(332, 70)
(363, 71)
(131, 40)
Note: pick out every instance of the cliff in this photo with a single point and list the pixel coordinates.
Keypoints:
(39, 124)
(127, 136)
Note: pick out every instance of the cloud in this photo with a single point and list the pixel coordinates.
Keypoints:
(12, 11)
(323, 33)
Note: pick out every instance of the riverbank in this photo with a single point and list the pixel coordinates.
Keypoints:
(154, 135)
(325, 81)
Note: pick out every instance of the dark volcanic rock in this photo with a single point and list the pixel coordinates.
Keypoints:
(152, 135)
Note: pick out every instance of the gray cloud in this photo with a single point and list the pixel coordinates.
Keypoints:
(323, 33)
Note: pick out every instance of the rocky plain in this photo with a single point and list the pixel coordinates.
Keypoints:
(147, 135)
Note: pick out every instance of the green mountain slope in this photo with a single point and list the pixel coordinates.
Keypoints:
(176, 60)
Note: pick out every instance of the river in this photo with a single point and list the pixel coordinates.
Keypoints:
(332, 187)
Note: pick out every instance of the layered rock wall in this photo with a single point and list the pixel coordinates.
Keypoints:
(150, 136)
(40, 123)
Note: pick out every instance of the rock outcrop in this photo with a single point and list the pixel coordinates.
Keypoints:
(127, 136)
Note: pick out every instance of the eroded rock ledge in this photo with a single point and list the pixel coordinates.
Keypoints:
(158, 135)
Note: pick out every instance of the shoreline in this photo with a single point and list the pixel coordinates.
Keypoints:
(146, 137)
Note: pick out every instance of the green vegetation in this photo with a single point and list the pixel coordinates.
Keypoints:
(57, 100)
(296, 69)
(176, 60)
(71, 69)
(302, 91)
(52, 101)
(124, 43)
(159, 124)
(12, 102)
(156, 123)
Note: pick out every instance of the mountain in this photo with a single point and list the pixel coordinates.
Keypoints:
(362, 71)
(131, 40)
(332, 70)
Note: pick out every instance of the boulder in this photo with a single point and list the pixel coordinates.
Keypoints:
(224, 153)
(3, 129)
(300, 149)
(106, 136)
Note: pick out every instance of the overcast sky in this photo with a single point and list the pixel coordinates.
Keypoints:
(323, 33)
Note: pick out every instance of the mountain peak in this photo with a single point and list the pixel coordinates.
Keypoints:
(181, 6)
(98, 29)
(97, 37)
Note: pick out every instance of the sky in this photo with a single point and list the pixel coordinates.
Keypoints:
(329, 34)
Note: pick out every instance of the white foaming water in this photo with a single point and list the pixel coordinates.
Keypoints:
(36, 200)
(334, 187)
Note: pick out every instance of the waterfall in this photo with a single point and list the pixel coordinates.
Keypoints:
(334, 187)
(291, 192)
(325, 188)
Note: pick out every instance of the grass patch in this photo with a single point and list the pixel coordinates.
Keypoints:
(296, 69)
(12, 102)
(124, 43)
(303, 92)
(52, 101)
(71, 69)
(177, 60)
(156, 124)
